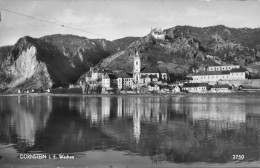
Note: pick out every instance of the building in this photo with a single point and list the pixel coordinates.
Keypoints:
(222, 68)
(176, 89)
(158, 33)
(153, 88)
(219, 73)
(95, 74)
(164, 73)
(136, 70)
(124, 80)
(109, 81)
(220, 88)
(196, 87)
(147, 75)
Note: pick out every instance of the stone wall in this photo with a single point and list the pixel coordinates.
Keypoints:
(249, 83)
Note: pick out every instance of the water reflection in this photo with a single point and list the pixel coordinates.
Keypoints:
(22, 117)
(183, 129)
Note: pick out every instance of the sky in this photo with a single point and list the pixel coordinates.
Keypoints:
(114, 19)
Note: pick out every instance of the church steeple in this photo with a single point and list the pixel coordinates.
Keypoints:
(136, 68)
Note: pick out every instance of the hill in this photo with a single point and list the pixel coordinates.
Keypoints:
(52, 61)
(184, 47)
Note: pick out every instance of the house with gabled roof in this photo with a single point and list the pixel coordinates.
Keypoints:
(153, 74)
(109, 81)
(124, 80)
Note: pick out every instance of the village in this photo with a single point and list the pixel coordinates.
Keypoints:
(157, 80)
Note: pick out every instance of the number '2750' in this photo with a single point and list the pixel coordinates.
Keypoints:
(238, 157)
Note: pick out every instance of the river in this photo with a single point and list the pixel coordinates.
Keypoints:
(134, 131)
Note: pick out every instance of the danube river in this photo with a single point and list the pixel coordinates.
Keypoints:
(179, 131)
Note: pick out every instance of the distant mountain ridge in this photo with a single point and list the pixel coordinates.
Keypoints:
(52, 61)
(187, 47)
(59, 60)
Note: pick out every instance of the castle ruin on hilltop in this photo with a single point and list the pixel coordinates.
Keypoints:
(158, 33)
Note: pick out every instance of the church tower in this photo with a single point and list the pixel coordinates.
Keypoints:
(136, 69)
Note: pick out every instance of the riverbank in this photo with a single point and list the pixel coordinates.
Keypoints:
(243, 93)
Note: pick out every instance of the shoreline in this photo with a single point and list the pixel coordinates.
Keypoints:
(229, 94)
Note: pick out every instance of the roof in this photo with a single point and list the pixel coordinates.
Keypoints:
(163, 69)
(101, 70)
(148, 76)
(195, 84)
(222, 65)
(150, 70)
(238, 70)
(124, 74)
(211, 73)
(221, 86)
(110, 76)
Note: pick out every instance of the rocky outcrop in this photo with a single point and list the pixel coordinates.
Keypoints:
(26, 65)
(52, 61)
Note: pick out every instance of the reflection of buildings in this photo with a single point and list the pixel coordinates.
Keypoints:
(94, 108)
(188, 126)
(149, 109)
(218, 113)
(180, 127)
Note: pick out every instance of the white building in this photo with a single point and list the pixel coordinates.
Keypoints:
(136, 70)
(95, 73)
(220, 88)
(125, 80)
(214, 76)
(176, 89)
(195, 87)
(148, 74)
(153, 88)
(109, 81)
(222, 68)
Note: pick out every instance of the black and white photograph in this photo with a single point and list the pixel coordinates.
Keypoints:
(130, 83)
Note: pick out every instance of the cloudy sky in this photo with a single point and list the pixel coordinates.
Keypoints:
(119, 18)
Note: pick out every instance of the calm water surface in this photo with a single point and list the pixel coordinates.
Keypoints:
(130, 131)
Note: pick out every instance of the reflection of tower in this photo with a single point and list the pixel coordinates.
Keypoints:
(70, 103)
(119, 106)
(92, 110)
(156, 108)
(136, 123)
(136, 69)
(19, 100)
(105, 108)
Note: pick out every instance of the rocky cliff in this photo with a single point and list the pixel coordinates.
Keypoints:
(52, 61)
(184, 48)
